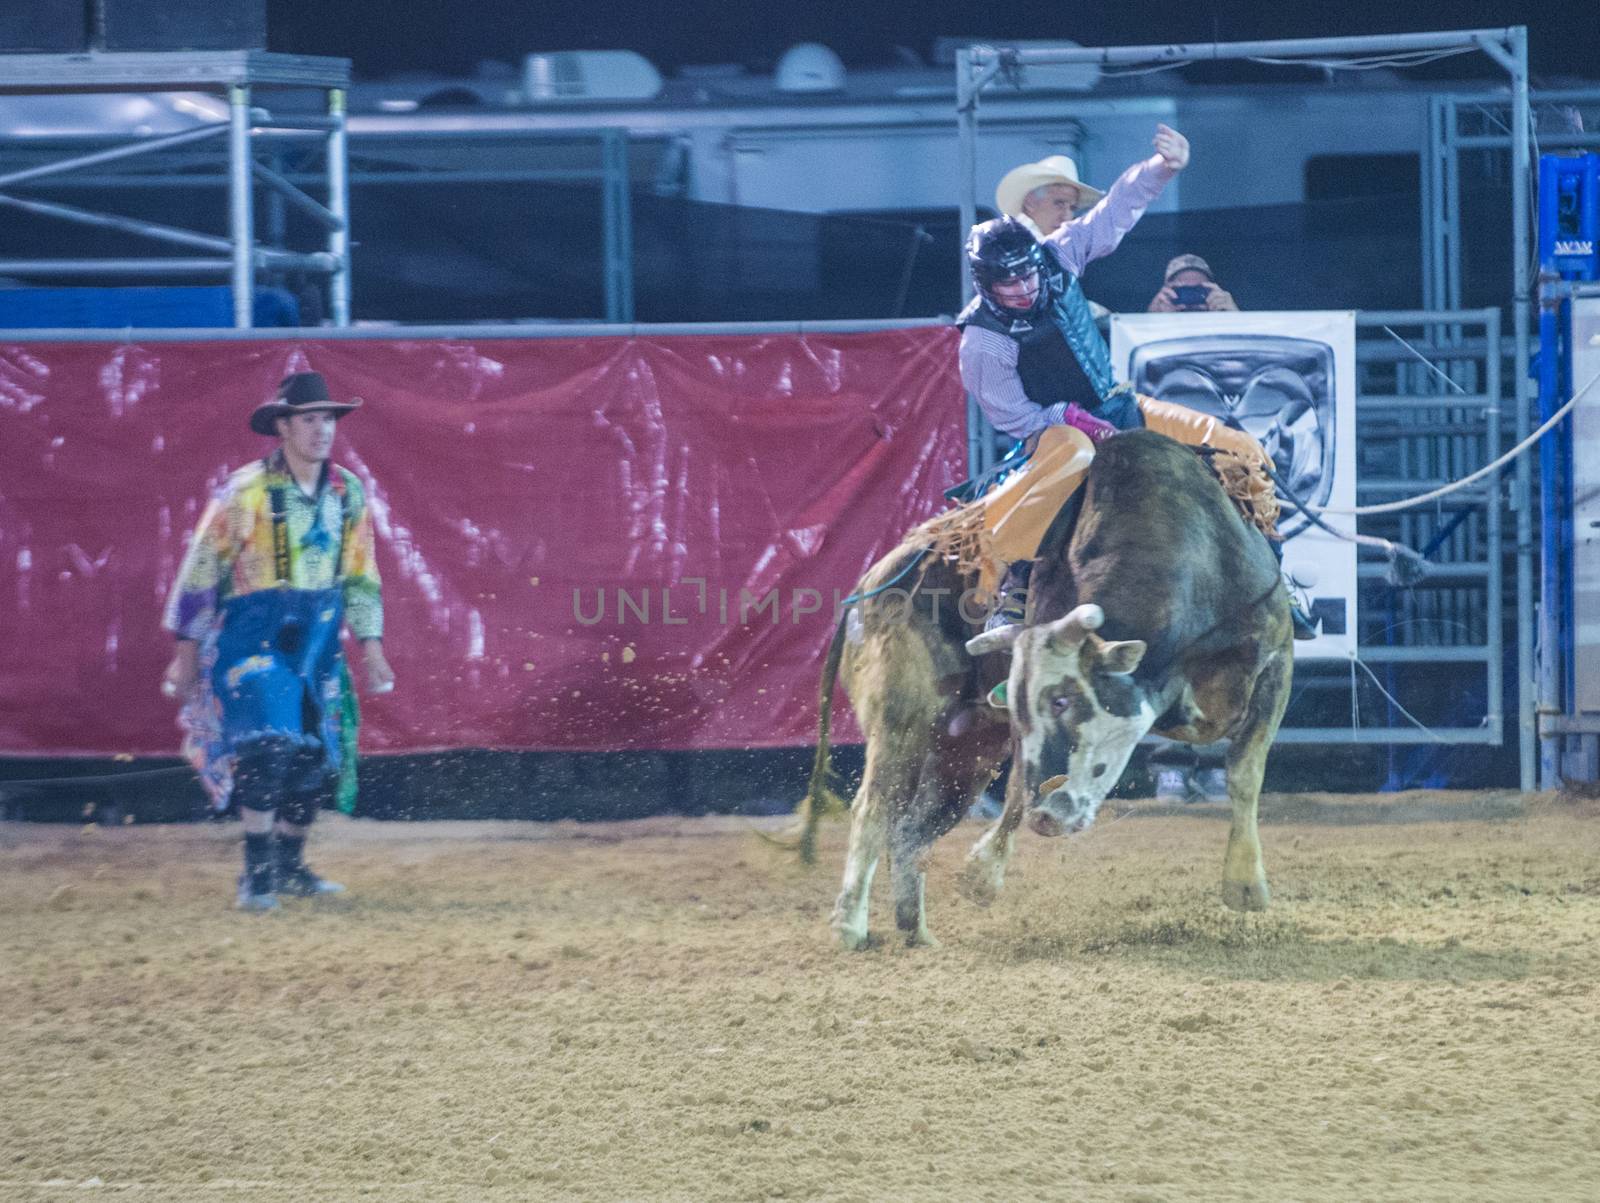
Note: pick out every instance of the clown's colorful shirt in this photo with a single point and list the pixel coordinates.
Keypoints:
(232, 552)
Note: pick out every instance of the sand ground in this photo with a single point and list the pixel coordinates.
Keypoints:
(653, 1010)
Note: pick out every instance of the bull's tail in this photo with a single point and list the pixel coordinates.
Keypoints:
(820, 800)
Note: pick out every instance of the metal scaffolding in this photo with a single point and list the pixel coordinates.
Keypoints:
(244, 78)
(1486, 128)
(1443, 324)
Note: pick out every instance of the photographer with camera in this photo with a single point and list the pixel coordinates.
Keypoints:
(1189, 287)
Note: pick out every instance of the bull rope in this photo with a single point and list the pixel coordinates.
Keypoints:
(1406, 503)
(895, 580)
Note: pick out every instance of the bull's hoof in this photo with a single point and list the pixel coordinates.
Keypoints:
(1246, 895)
(979, 883)
(852, 939)
(985, 870)
(921, 938)
(1043, 823)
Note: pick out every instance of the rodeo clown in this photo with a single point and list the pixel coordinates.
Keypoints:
(1039, 368)
(282, 560)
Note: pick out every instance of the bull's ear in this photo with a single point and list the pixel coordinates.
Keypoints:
(998, 640)
(1122, 655)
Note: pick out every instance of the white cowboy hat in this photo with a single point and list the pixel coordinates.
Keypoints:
(1015, 185)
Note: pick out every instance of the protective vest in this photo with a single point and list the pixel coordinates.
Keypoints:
(1061, 356)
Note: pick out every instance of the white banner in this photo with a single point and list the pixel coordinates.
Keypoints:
(1289, 379)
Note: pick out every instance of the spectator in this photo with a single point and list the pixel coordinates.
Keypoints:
(1044, 196)
(1190, 287)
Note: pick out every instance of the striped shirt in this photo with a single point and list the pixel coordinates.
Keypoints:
(989, 360)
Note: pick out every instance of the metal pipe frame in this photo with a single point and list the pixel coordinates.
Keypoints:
(112, 221)
(116, 267)
(1205, 52)
(266, 259)
(969, 83)
(297, 179)
(1385, 735)
(1540, 750)
(616, 213)
(337, 150)
(1522, 498)
(281, 187)
(457, 333)
(977, 65)
(241, 197)
(126, 151)
(232, 73)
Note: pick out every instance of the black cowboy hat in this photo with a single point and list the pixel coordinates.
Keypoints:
(300, 393)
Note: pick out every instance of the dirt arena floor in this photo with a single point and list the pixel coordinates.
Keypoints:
(653, 1010)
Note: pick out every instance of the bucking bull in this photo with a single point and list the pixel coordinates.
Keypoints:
(1154, 606)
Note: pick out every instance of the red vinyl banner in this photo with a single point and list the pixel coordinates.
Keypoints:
(585, 544)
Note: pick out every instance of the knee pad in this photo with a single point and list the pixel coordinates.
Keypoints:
(300, 809)
(310, 787)
(262, 772)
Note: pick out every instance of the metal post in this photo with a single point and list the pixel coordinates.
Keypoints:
(241, 218)
(1384, 43)
(144, 146)
(1494, 618)
(1432, 207)
(339, 205)
(967, 156)
(616, 225)
(1521, 299)
(1451, 265)
(979, 446)
(277, 214)
(1550, 647)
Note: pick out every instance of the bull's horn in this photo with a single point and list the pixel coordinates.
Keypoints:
(998, 640)
(1069, 632)
(1090, 615)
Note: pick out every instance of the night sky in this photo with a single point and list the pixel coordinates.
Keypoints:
(385, 37)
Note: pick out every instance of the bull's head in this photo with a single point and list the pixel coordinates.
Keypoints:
(1075, 710)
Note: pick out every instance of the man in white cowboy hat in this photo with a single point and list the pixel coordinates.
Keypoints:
(281, 561)
(1047, 195)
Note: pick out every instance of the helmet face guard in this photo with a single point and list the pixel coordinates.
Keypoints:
(1003, 251)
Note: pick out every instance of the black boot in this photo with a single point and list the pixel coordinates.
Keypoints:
(1011, 606)
(1304, 627)
(256, 884)
(293, 876)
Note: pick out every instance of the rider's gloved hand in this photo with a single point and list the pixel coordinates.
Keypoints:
(1098, 429)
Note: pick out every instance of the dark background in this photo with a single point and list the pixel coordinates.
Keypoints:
(384, 37)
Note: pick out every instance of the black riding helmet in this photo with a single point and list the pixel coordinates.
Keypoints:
(1005, 249)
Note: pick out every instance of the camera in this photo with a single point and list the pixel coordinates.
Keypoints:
(1191, 296)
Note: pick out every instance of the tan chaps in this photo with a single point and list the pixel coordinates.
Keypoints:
(1017, 514)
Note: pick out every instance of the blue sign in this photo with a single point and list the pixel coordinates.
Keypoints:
(1569, 215)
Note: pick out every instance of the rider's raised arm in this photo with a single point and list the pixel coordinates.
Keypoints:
(1096, 234)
